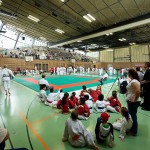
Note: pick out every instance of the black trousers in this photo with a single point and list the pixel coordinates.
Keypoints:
(2, 145)
(146, 103)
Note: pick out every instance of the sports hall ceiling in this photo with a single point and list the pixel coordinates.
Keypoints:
(68, 16)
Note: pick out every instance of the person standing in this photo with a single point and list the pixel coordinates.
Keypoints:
(44, 81)
(146, 87)
(6, 76)
(133, 98)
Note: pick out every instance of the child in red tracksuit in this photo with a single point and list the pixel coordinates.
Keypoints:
(83, 110)
(115, 104)
(84, 90)
(73, 100)
(98, 90)
(64, 104)
(93, 94)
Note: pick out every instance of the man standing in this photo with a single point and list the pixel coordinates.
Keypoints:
(6, 76)
(146, 87)
(43, 81)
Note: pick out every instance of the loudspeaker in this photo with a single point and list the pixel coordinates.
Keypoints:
(23, 38)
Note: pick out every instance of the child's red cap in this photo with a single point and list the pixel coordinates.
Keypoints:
(104, 116)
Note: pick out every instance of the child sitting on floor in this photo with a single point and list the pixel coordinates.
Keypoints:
(84, 90)
(115, 104)
(73, 100)
(83, 110)
(100, 105)
(104, 130)
(60, 95)
(79, 136)
(93, 94)
(124, 124)
(89, 103)
(52, 97)
(98, 90)
(64, 103)
(42, 94)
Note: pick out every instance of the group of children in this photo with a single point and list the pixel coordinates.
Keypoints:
(90, 101)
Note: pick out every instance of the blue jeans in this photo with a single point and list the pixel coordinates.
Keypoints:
(132, 108)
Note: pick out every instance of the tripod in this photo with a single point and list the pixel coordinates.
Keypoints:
(114, 82)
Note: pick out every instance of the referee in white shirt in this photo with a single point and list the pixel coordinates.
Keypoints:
(43, 81)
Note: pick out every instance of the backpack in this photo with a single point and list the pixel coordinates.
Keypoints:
(123, 85)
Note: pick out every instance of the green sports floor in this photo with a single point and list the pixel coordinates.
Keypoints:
(33, 125)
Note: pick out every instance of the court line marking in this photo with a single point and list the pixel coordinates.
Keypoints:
(33, 130)
(45, 118)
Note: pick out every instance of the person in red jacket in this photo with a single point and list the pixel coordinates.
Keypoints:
(115, 105)
(84, 90)
(64, 104)
(83, 110)
(98, 90)
(73, 100)
(93, 94)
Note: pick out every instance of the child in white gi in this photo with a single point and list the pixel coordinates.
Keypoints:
(52, 97)
(42, 94)
(76, 133)
(100, 105)
(124, 124)
(104, 130)
(89, 103)
(60, 95)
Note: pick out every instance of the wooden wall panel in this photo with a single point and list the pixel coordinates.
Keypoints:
(122, 55)
(139, 53)
(106, 56)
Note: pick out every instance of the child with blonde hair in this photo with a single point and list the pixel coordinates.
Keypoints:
(124, 124)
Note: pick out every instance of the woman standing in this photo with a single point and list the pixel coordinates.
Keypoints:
(133, 98)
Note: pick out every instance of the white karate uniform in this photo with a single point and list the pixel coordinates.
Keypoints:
(89, 103)
(76, 128)
(60, 96)
(6, 78)
(52, 98)
(100, 106)
(123, 125)
(42, 95)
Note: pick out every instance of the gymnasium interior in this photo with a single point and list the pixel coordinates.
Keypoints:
(88, 36)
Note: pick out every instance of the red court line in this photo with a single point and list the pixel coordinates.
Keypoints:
(33, 130)
(46, 118)
(63, 86)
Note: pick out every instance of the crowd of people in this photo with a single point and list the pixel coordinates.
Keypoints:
(48, 55)
(93, 101)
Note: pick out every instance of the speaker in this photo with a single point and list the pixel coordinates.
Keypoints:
(23, 38)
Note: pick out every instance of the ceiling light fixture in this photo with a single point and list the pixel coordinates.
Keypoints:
(21, 30)
(33, 18)
(132, 43)
(85, 17)
(79, 41)
(62, 0)
(122, 39)
(42, 38)
(59, 31)
(0, 2)
(109, 50)
(89, 17)
(109, 34)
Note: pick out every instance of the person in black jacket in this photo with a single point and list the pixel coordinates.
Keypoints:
(146, 87)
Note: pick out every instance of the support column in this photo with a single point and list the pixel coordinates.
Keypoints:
(149, 52)
(130, 53)
(17, 40)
